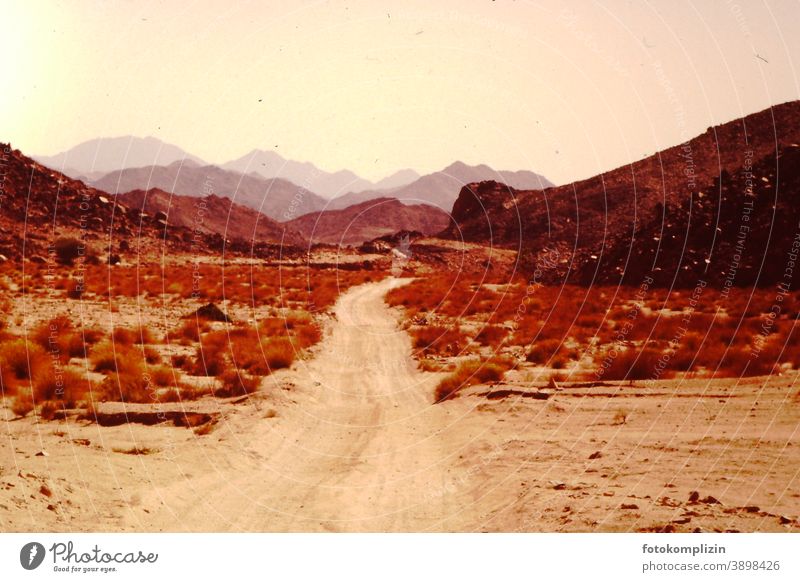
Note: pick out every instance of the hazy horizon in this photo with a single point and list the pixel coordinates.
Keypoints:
(564, 92)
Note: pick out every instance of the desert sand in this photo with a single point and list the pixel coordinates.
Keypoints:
(350, 440)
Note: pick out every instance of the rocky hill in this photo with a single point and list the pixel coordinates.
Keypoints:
(211, 214)
(677, 216)
(39, 205)
(277, 198)
(369, 220)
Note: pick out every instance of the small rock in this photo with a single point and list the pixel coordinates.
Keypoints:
(42, 454)
(784, 520)
(596, 455)
(752, 509)
(682, 520)
(45, 490)
(629, 506)
(694, 497)
(711, 501)
(51, 507)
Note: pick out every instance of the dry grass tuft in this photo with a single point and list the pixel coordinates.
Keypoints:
(236, 383)
(22, 404)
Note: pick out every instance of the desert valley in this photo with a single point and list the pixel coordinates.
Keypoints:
(261, 345)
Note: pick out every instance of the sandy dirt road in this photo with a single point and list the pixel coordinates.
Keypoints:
(361, 451)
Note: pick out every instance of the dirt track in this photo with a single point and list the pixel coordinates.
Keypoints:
(357, 452)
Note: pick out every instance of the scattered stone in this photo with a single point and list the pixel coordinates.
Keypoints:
(595, 455)
(629, 506)
(785, 520)
(752, 509)
(694, 497)
(42, 454)
(212, 313)
(711, 501)
(83, 442)
(45, 490)
(682, 521)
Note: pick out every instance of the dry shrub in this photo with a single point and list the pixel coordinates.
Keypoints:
(191, 329)
(439, 340)
(306, 335)
(620, 417)
(491, 335)
(544, 351)
(123, 336)
(128, 386)
(210, 354)
(49, 409)
(182, 361)
(108, 357)
(633, 364)
(237, 383)
(8, 385)
(163, 376)
(22, 404)
(23, 360)
(58, 336)
(143, 335)
(470, 373)
(64, 386)
(68, 249)
(279, 353)
(151, 355)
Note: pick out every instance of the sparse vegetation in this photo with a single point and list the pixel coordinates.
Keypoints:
(67, 250)
(236, 383)
(469, 373)
(22, 404)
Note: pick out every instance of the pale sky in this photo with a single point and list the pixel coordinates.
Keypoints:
(378, 86)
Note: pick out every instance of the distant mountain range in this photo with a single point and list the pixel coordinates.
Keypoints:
(279, 199)
(91, 159)
(441, 188)
(307, 175)
(40, 205)
(722, 208)
(263, 180)
(369, 220)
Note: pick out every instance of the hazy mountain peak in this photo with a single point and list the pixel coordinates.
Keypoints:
(116, 153)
